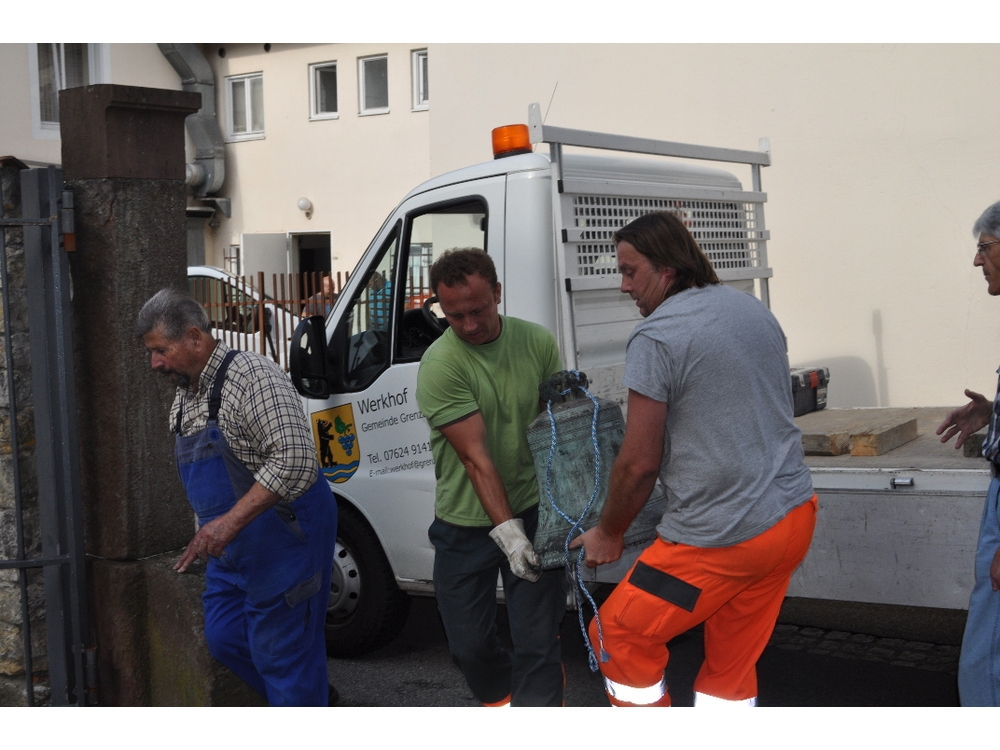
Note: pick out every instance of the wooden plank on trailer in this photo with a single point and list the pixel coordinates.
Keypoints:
(877, 439)
(859, 432)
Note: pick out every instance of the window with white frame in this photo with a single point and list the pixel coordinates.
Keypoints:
(245, 107)
(54, 67)
(418, 60)
(323, 91)
(373, 80)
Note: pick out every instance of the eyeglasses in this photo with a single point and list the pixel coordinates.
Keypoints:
(981, 246)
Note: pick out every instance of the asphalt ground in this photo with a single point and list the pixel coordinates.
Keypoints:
(801, 666)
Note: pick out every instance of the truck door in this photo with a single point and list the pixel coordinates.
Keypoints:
(374, 443)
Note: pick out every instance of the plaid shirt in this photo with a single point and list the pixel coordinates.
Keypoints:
(261, 416)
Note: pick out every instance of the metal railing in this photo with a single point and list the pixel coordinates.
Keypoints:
(47, 225)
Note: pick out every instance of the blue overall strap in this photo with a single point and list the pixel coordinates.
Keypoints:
(215, 399)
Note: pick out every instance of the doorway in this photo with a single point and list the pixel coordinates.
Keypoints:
(311, 253)
(311, 258)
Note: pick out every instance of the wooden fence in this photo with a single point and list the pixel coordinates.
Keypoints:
(233, 305)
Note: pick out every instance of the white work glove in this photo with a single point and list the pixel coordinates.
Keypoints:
(511, 539)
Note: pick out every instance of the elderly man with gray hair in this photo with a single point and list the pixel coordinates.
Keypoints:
(979, 664)
(267, 518)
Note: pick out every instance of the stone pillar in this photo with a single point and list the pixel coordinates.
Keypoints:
(123, 158)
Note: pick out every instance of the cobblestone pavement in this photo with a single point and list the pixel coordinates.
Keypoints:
(894, 651)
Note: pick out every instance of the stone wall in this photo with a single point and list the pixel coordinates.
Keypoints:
(12, 656)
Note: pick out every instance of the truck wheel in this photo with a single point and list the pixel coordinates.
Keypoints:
(366, 608)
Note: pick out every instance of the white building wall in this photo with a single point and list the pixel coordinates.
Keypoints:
(883, 157)
(15, 110)
(353, 169)
(142, 65)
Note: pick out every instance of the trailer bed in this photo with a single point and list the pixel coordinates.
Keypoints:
(899, 528)
(926, 452)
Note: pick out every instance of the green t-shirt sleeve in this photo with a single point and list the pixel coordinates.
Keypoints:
(443, 393)
(555, 361)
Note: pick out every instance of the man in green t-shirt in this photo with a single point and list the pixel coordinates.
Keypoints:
(478, 388)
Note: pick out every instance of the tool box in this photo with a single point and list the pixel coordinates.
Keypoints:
(809, 389)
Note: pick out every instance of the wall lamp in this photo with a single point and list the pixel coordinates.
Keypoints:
(305, 205)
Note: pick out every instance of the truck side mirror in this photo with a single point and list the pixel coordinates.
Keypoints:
(307, 361)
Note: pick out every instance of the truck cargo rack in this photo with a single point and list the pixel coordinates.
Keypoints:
(589, 206)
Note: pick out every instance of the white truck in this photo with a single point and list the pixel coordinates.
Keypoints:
(547, 222)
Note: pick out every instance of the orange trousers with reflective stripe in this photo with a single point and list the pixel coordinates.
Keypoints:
(741, 591)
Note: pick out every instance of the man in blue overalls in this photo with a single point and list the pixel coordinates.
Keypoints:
(267, 519)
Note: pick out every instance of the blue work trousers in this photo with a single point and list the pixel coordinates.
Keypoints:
(466, 565)
(979, 663)
(266, 596)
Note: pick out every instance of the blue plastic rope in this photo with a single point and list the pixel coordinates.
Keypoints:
(575, 571)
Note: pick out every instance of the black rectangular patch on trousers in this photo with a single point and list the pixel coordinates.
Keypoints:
(667, 587)
(304, 590)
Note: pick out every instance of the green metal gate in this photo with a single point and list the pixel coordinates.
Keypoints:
(44, 556)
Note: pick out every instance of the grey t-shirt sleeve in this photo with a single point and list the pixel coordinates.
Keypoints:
(647, 368)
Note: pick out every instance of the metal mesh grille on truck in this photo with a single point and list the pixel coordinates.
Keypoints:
(727, 231)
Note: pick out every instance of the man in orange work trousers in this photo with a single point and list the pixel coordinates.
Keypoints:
(709, 412)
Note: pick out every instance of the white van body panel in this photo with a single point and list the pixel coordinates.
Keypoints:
(529, 282)
(393, 486)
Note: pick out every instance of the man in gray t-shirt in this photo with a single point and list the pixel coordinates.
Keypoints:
(709, 413)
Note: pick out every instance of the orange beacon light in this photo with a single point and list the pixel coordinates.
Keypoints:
(510, 140)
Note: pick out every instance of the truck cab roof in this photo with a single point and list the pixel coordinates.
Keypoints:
(658, 171)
